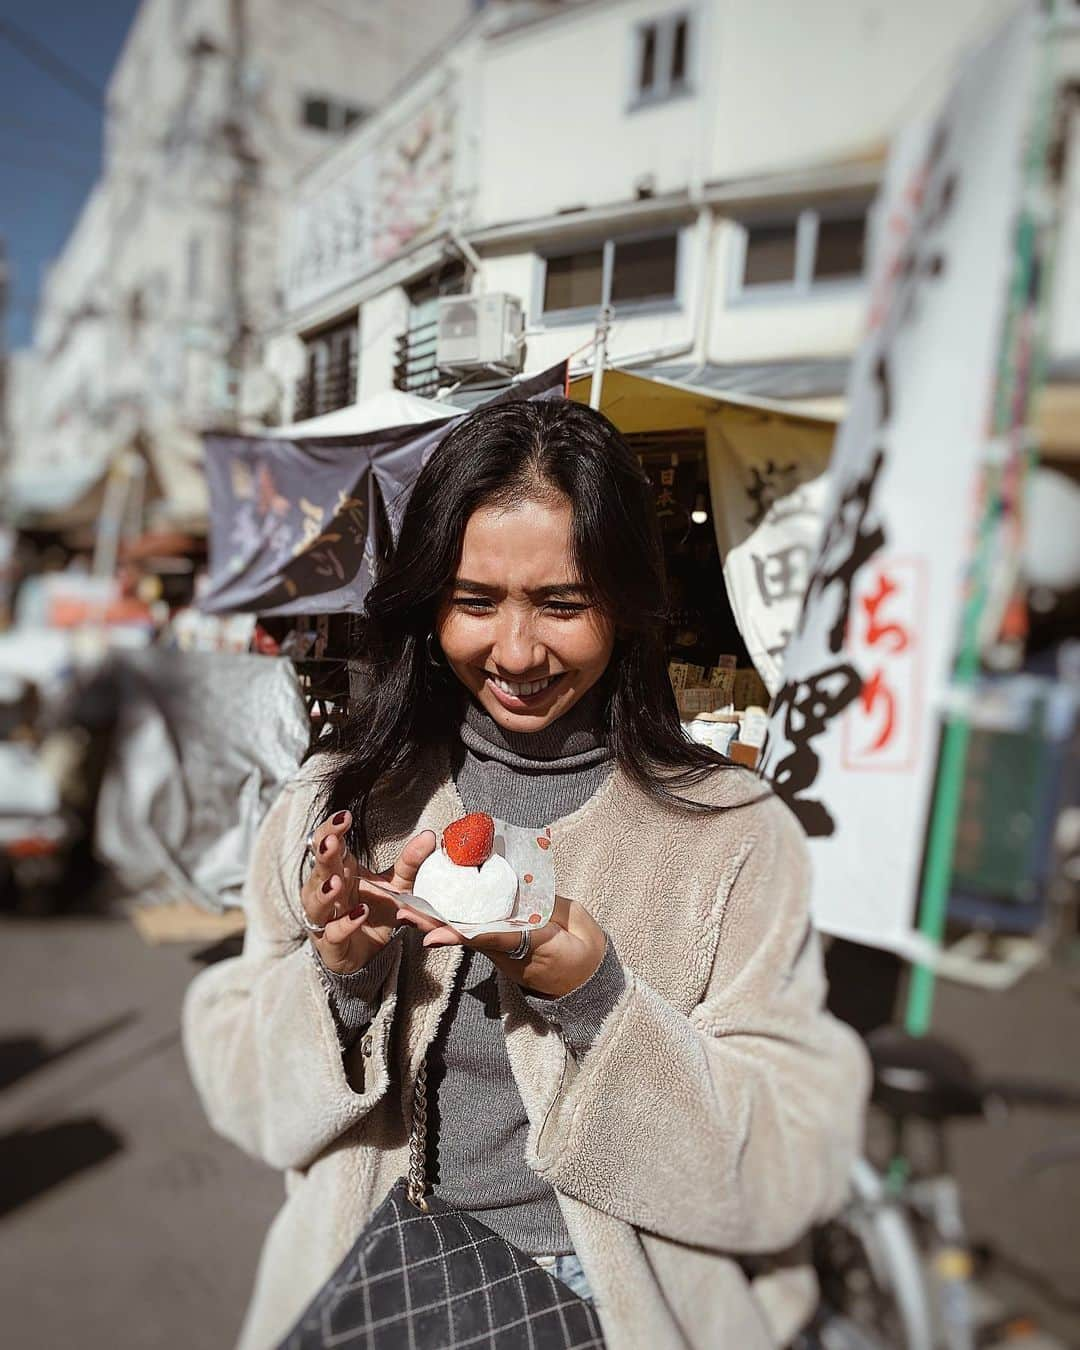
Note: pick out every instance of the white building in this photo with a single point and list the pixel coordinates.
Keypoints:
(150, 322)
(703, 167)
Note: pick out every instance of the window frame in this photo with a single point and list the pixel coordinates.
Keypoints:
(664, 88)
(558, 318)
(322, 362)
(803, 285)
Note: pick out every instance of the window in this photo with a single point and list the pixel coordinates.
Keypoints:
(317, 113)
(625, 273)
(839, 251)
(415, 370)
(329, 380)
(662, 58)
(324, 114)
(791, 257)
(574, 280)
(644, 270)
(770, 254)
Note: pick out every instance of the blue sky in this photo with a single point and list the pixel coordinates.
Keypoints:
(50, 138)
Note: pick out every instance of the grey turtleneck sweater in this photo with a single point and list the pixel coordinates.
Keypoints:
(527, 780)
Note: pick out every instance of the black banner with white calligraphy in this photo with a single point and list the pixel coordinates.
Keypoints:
(294, 524)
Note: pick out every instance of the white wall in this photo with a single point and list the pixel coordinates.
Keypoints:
(800, 83)
(381, 321)
(556, 128)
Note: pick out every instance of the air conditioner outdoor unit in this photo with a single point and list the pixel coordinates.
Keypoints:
(479, 332)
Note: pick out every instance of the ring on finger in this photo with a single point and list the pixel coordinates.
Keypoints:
(316, 929)
(524, 947)
(311, 843)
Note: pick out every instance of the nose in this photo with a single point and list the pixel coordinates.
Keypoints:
(517, 649)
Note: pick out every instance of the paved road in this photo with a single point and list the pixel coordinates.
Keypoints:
(127, 1225)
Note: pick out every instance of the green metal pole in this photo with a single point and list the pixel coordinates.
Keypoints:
(1008, 417)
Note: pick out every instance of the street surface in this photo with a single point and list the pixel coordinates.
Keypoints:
(128, 1225)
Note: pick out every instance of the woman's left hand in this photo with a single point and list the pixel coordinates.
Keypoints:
(562, 955)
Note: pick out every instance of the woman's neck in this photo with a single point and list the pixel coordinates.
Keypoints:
(575, 740)
(536, 778)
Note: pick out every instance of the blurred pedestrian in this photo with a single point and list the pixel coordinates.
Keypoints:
(645, 1091)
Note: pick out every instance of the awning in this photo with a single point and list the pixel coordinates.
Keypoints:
(392, 408)
(640, 402)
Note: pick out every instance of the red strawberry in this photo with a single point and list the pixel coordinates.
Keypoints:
(469, 841)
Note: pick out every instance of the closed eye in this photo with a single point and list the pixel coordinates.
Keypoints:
(473, 604)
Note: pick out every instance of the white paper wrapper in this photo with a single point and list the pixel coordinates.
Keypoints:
(529, 853)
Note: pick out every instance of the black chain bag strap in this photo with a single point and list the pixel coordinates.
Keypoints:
(426, 1277)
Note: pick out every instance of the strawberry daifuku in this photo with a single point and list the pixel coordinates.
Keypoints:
(464, 880)
(469, 841)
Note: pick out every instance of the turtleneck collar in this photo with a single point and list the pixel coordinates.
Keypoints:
(575, 741)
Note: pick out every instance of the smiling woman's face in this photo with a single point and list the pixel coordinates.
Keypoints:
(516, 627)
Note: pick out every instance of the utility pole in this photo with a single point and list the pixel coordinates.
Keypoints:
(243, 167)
(5, 443)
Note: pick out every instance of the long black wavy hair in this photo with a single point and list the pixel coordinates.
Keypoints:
(501, 456)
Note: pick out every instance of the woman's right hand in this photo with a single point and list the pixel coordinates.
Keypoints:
(356, 925)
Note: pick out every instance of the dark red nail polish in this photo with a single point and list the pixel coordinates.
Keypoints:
(327, 885)
(358, 912)
(339, 819)
(322, 845)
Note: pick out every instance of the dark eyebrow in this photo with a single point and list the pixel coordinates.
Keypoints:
(566, 590)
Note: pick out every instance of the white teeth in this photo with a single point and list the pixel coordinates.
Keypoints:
(522, 689)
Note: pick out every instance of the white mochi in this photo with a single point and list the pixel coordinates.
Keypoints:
(467, 894)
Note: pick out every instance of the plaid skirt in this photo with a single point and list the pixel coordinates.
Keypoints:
(442, 1281)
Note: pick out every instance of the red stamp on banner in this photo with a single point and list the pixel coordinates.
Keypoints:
(881, 728)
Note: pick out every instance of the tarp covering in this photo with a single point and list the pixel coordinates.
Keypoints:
(205, 742)
(294, 522)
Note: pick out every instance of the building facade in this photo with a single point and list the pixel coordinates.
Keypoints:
(151, 321)
(702, 170)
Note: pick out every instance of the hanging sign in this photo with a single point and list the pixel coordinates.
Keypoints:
(853, 734)
(768, 490)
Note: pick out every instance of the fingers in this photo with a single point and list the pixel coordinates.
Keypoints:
(436, 932)
(326, 890)
(339, 931)
(419, 848)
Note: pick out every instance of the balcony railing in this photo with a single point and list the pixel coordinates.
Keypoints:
(415, 371)
(318, 394)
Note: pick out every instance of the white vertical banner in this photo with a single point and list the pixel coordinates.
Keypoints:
(853, 734)
(766, 477)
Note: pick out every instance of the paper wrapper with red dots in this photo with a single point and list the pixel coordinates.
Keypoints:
(529, 853)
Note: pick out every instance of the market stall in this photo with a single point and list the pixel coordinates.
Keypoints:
(739, 490)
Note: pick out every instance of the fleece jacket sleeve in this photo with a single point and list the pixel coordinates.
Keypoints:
(733, 1128)
(259, 1033)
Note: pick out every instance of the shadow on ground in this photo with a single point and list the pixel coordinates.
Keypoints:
(34, 1160)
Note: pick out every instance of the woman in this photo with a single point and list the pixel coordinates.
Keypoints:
(652, 1093)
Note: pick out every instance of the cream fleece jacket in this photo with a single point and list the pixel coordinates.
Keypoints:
(715, 1116)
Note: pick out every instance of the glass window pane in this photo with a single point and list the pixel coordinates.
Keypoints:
(644, 270)
(770, 254)
(317, 113)
(678, 53)
(574, 280)
(647, 71)
(839, 248)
